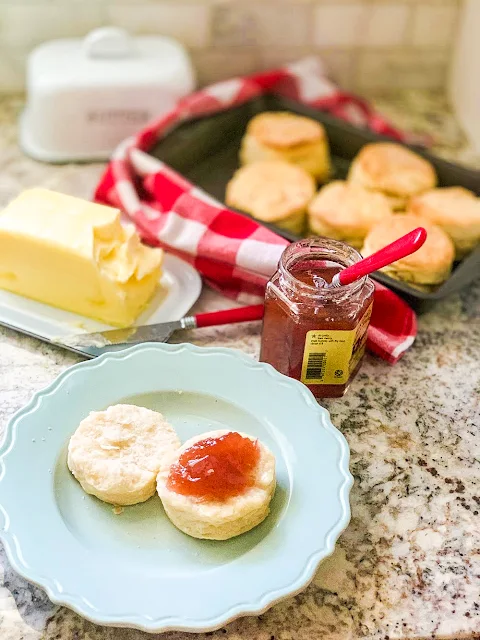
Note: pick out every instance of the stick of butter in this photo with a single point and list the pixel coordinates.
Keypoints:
(76, 255)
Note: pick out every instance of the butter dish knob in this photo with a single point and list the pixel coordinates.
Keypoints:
(108, 42)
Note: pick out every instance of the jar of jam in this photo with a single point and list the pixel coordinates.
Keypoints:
(312, 332)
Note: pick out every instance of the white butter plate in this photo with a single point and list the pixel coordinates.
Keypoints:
(180, 287)
(136, 569)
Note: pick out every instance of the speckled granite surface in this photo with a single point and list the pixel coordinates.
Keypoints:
(408, 566)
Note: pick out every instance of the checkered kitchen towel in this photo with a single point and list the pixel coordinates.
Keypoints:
(235, 254)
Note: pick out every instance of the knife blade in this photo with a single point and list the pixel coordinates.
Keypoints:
(160, 332)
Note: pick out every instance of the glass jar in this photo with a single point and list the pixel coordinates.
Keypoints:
(311, 332)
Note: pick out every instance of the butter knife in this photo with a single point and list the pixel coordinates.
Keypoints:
(102, 341)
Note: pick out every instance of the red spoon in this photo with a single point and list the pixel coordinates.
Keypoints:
(401, 248)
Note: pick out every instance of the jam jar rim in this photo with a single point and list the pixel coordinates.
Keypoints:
(329, 244)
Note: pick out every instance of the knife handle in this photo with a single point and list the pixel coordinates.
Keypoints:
(230, 316)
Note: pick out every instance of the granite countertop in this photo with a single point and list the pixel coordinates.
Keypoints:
(408, 565)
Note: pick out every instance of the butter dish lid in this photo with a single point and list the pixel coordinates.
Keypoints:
(85, 96)
(111, 55)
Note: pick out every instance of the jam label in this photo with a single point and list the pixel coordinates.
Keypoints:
(330, 357)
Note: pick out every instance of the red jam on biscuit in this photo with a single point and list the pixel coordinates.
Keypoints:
(216, 468)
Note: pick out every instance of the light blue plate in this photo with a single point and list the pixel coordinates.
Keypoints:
(136, 569)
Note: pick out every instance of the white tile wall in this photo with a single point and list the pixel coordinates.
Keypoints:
(385, 25)
(263, 24)
(339, 24)
(433, 26)
(24, 25)
(367, 45)
(185, 21)
(12, 66)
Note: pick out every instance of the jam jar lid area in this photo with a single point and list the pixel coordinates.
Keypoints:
(319, 249)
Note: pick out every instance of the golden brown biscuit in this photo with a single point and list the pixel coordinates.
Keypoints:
(347, 212)
(430, 265)
(456, 210)
(394, 170)
(288, 137)
(275, 192)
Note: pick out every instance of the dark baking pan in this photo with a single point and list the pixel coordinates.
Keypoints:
(205, 151)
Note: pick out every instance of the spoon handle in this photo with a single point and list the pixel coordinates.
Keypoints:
(401, 248)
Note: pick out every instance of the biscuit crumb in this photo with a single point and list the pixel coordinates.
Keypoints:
(117, 510)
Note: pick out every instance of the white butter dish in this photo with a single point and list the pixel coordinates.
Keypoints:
(85, 96)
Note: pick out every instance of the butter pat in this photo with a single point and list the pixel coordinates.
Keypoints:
(76, 255)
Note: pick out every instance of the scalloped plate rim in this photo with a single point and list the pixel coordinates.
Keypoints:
(80, 604)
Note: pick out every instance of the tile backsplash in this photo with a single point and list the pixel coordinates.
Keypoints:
(367, 45)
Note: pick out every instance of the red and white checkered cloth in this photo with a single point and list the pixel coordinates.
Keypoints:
(235, 254)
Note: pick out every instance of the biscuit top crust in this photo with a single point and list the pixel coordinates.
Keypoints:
(283, 130)
(392, 168)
